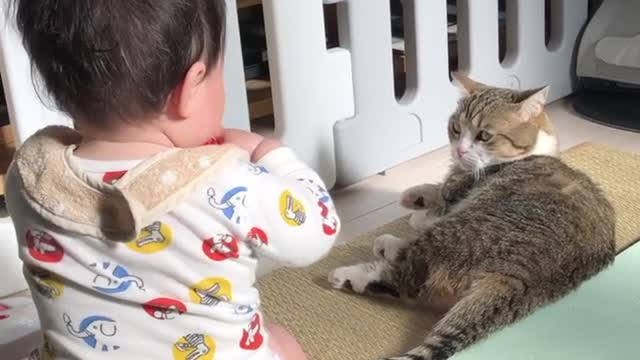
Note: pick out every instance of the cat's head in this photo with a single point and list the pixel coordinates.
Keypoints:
(495, 125)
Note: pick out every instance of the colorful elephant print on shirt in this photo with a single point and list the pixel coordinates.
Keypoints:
(232, 203)
(97, 331)
(112, 278)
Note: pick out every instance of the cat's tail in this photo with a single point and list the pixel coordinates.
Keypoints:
(491, 304)
(420, 353)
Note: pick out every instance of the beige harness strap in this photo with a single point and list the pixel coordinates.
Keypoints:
(65, 196)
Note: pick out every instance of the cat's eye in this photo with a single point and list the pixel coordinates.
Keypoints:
(484, 136)
(455, 128)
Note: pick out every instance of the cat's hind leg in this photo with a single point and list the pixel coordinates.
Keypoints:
(491, 304)
(371, 278)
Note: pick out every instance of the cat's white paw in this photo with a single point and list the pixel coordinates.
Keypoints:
(387, 246)
(419, 196)
(412, 200)
(422, 219)
(355, 277)
(417, 218)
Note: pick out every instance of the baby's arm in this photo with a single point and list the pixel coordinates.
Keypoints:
(256, 145)
(246, 140)
(292, 216)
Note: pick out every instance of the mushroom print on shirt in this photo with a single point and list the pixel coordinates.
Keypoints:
(44, 247)
(164, 308)
(221, 247)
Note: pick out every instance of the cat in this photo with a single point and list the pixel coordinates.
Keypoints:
(509, 230)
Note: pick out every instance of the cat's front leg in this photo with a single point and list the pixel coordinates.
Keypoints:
(423, 196)
(428, 203)
(457, 186)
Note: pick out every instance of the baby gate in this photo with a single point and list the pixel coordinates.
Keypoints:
(336, 107)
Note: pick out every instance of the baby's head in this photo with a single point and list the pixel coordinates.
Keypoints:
(495, 125)
(138, 63)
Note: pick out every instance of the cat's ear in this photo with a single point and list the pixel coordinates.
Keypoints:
(533, 101)
(466, 84)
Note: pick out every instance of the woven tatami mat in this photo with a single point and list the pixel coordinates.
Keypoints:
(332, 325)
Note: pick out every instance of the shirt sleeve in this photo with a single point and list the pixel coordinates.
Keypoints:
(291, 216)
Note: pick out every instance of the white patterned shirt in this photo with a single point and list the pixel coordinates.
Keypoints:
(184, 287)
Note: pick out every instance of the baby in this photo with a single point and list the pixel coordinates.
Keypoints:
(141, 229)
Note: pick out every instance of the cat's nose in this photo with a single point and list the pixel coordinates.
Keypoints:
(460, 151)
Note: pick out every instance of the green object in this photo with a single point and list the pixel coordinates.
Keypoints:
(600, 321)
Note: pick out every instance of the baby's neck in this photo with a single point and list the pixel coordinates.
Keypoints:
(124, 144)
(104, 150)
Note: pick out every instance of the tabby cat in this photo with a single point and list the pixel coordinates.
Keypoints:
(510, 229)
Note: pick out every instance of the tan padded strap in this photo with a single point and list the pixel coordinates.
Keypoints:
(65, 196)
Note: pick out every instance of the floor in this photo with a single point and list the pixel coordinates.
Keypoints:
(373, 202)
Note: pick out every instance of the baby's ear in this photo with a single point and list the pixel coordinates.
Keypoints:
(533, 102)
(181, 102)
(466, 84)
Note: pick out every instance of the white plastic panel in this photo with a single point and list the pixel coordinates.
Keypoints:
(10, 264)
(384, 133)
(529, 62)
(236, 113)
(312, 86)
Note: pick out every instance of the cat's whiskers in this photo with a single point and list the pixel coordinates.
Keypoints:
(478, 173)
(474, 163)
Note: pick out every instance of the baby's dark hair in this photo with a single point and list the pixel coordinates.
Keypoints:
(104, 61)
